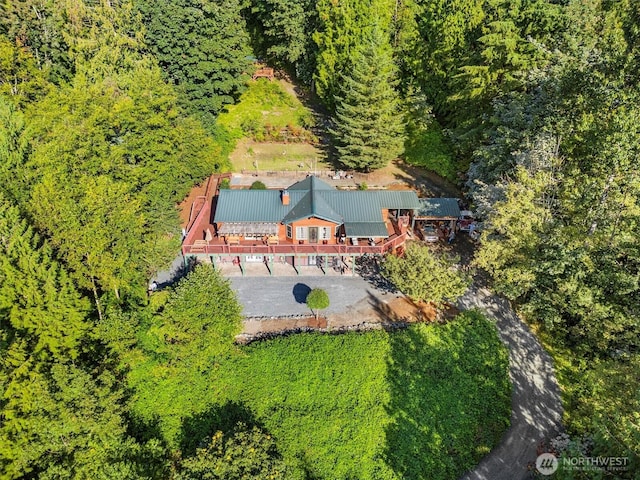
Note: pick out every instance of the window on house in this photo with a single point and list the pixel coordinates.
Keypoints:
(289, 231)
(325, 233)
(302, 233)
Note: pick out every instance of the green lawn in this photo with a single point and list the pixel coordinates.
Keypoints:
(427, 402)
(278, 156)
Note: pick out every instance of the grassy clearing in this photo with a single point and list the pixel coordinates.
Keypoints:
(426, 402)
(277, 156)
(264, 111)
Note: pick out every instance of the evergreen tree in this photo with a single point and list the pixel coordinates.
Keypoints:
(343, 28)
(62, 422)
(40, 309)
(14, 149)
(57, 421)
(368, 128)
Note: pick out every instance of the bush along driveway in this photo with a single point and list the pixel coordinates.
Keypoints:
(536, 406)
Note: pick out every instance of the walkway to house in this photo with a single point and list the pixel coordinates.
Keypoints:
(536, 407)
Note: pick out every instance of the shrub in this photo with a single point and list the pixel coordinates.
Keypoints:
(258, 185)
(425, 276)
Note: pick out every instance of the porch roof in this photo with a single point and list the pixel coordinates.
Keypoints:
(366, 230)
(248, 228)
(438, 208)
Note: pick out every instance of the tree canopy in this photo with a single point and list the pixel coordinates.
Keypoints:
(317, 300)
(202, 48)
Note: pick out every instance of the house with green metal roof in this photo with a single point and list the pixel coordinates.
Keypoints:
(308, 223)
(310, 212)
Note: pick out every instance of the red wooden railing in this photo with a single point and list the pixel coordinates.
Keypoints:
(292, 249)
(201, 201)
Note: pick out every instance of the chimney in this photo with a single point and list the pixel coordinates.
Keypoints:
(285, 197)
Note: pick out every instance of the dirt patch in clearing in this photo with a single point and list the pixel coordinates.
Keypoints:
(403, 309)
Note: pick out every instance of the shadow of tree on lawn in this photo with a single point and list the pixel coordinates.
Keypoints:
(223, 418)
(450, 398)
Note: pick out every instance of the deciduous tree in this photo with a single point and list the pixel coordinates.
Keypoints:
(202, 47)
(317, 300)
(243, 453)
(425, 276)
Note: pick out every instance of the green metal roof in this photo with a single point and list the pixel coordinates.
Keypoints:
(311, 183)
(253, 205)
(312, 205)
(365, 230)
(311, 198)
(438, 208)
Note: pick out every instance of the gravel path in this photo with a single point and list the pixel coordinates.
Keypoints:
(536, 407)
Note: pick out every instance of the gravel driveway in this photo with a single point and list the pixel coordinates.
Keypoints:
(536, 409)
(284, 296)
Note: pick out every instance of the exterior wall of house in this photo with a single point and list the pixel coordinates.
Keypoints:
(312, 222)
(304, 223)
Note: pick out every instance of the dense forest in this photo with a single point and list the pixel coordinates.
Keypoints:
(108, 116)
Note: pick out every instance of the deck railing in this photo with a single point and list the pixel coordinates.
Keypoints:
(293, 249)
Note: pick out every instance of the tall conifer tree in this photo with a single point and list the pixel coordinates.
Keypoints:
(368, 127)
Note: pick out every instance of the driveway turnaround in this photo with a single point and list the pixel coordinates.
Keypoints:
(536, 409)
(285, 296)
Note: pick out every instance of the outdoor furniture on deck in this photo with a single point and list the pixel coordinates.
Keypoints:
(232, 240)
(199, 246)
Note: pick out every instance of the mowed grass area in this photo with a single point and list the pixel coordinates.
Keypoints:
(277, 156)
(422, 403)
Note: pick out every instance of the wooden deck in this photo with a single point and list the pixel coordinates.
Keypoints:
(256, 248)
(201, 238)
